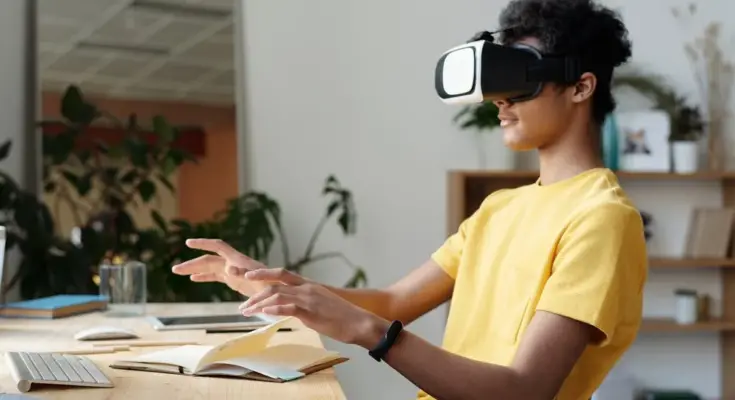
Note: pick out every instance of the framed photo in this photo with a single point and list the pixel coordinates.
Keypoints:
(643, 138)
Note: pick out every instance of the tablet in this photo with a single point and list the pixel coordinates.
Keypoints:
(208, 322)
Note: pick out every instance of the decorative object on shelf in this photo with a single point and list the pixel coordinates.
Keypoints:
(647, 222)
(686, 132)
(714, 75)
(687, 125)
(704, 307)
(610, 143)
(643, 140)
(709, 233)
(483, 119)
(687, 306)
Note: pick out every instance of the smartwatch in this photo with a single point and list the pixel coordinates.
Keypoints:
(385, 344)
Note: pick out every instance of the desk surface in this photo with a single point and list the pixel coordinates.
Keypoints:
(53, 335)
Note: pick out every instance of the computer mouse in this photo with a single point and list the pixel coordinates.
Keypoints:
(105, 333)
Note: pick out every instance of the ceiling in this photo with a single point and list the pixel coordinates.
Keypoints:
(143, 49)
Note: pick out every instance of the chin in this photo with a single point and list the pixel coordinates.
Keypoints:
(515, 140)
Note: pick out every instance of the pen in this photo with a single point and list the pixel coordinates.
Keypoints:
(247, 330)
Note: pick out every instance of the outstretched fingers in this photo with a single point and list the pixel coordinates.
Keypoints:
(206, 264)
(217, 246)
(207, 277)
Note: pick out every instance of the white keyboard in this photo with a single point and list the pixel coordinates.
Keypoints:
(54, 369)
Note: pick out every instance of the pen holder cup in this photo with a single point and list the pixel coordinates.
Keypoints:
(124, 287)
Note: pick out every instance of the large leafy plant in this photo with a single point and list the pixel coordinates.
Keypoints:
(100, 181)
(252, 224)
(49, 264)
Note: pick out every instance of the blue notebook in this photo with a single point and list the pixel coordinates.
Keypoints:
(58, 306)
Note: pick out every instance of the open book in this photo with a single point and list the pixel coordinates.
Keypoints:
(246, 356)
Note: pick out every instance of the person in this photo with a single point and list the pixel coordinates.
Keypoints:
(546, 280)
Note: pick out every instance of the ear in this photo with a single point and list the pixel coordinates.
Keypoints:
(584, 88)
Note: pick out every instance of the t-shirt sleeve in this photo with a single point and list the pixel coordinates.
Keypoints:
(599, 270)
(449, 254)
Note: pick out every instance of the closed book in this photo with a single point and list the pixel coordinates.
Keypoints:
(58, 306)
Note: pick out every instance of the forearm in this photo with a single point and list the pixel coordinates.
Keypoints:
(378, 302)
(419, 292)
(442, 374)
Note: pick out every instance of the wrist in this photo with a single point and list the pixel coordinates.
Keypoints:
(371, 331)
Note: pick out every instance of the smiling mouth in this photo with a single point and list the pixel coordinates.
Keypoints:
(507, 122)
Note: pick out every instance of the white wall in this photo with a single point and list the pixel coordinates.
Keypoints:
(346, 87)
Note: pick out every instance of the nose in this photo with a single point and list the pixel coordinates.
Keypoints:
(502, 103)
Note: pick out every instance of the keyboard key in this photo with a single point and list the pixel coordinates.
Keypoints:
(48, 359)
(40, 366)
(67, 368)
(93, 370)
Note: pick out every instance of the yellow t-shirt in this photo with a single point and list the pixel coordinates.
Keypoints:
(574, 248)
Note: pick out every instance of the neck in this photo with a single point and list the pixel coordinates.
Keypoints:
(574, 152)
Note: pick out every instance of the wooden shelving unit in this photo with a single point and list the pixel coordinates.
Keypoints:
(662, 262)
(467, 189)
(652, 325)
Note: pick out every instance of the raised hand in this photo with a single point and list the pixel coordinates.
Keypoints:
(226, 265)
(314, 304)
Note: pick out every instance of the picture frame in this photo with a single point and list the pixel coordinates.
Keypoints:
(643, 141)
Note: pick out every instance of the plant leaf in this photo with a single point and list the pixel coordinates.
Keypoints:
(147, 190)
(5, 150)
(75, 109)
(163, 129)
(358, 279)
(159, 220)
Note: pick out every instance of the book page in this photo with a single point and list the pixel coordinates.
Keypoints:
(187, 357)
(242, 345)
(294, 357)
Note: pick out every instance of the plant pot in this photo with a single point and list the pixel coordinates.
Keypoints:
(685, 156)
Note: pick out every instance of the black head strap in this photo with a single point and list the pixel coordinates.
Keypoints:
(560, 69)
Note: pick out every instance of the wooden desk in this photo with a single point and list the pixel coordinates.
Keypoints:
(46, 335)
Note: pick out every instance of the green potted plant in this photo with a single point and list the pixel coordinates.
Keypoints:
(687, 124)
(482, 119)
(686, 131)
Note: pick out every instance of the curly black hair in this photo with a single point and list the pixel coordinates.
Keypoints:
(573, 27)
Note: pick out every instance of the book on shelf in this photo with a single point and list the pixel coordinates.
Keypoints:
(59, 306)
(247, 356)
(710, 232)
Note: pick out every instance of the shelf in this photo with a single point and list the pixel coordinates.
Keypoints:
(511, 174)
(669, 325)
(663, 262)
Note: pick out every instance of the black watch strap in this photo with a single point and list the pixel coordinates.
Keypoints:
(388, 340)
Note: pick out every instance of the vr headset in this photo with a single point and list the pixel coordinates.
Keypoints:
(482, 70)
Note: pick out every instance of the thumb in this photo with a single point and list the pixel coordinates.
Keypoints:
(281, 275)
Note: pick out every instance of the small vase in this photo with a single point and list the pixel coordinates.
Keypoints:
(685, 156)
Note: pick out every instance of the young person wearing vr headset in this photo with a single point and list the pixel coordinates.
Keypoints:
(546, 280)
